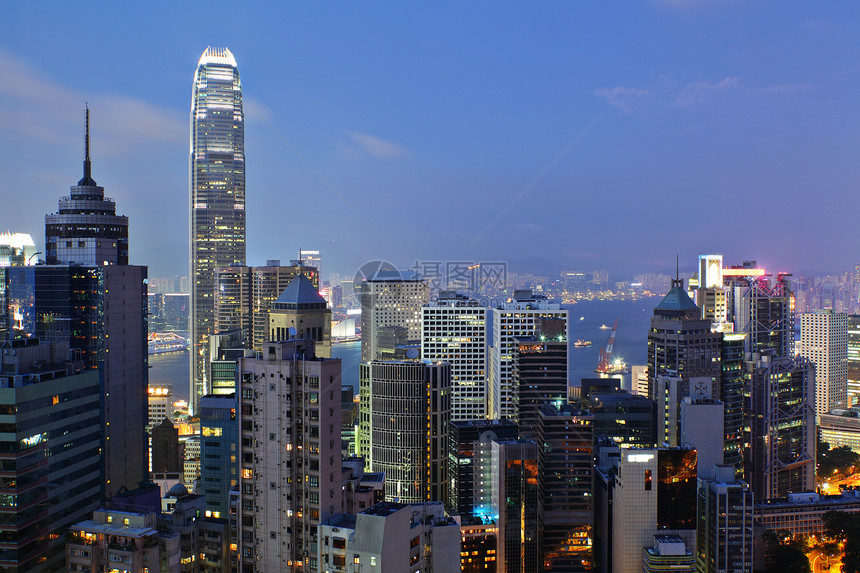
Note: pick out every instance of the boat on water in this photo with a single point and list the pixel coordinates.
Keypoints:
(582, 343)
(161, 342)
(604, 327)
(617, 366)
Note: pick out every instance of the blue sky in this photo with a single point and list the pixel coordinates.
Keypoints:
(595, 135)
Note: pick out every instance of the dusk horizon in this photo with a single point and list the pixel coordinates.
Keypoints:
(593, 138)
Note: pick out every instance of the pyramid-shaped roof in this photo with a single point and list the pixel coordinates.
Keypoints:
(300, 291)
(677, 299)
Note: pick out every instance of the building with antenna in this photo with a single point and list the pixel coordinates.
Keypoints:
(86, 230)
(91, 299)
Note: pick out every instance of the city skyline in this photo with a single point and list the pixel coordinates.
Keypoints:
(409, 112)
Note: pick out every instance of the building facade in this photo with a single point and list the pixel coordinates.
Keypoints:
(566, 436)
(301, 312)
(51, 444)
(760, 308)
(518, 318)
(219, 446)
(780, 457)
(404, 412)
(462, 435)
(217, 195)
(626, 419)
(853, 359)
(724, 534)
(824, 341)
(654, 493)
(290, 457)
(390, 298)
(680, 342)
(540, 376)
(454, 329)
(391, 538)
(507, 492)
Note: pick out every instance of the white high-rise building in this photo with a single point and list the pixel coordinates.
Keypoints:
(655, 493)
(391, 299)
(517, 318)
(824, 341)
(217, 195)
(454, 329)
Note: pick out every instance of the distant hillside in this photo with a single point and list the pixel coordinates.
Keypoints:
(536, 266)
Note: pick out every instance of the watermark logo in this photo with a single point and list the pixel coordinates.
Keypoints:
(468, 277)
(372, 269)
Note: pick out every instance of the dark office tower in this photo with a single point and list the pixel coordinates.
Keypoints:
(762, 310)
(404, 412)
(462, 436)
(50, 451)
(725, 523)
(165, 448)
(780, 414)
(507, 490)
(680, 342)
(217, 195)
(625, 419)
(86, 230)
(566, 437)
(125, 372)
(732, 397)
(219, 443)
(540, 372)
(100, 312)
(853, 358)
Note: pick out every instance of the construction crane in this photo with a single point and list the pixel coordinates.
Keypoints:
(604, 363)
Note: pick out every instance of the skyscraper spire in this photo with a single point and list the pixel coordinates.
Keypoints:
(87, 179)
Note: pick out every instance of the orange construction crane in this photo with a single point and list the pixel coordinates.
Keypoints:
(604, 364)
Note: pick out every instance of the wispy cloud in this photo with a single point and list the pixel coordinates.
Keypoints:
(527, 229)
(622, 97)
(376, 146)
(698, 92)
(45, 111)
(666, 92)
(255, 109)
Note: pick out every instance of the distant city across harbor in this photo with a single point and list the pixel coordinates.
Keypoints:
(585, 320)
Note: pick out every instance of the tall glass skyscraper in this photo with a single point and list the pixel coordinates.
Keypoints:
(217, 174)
